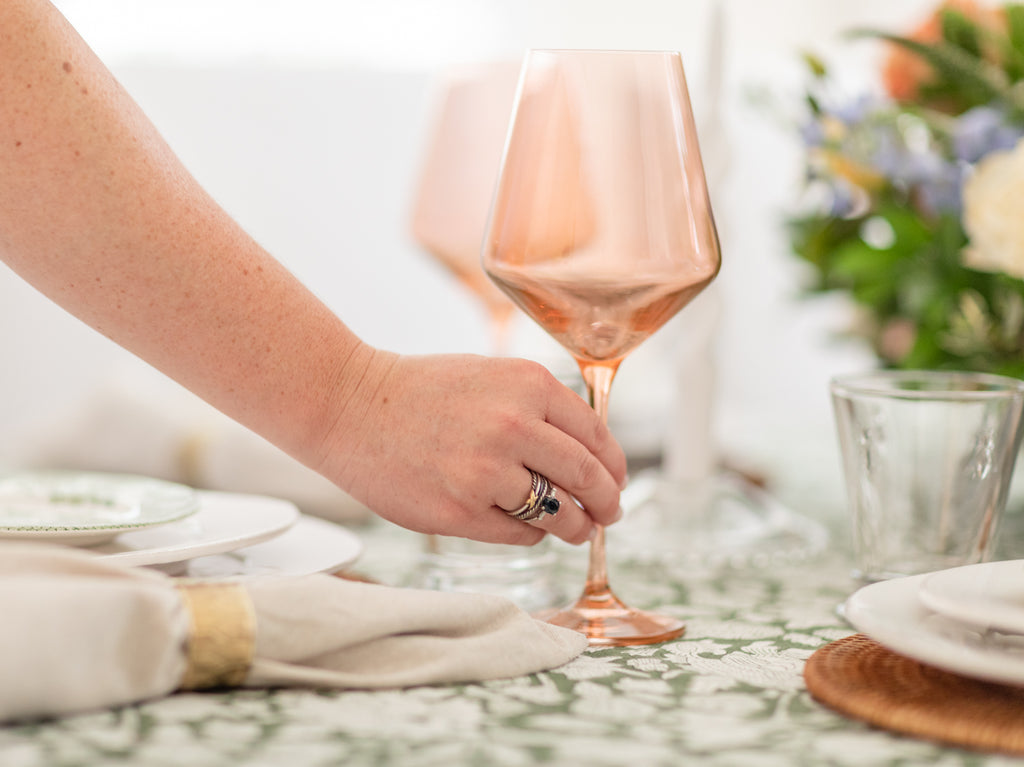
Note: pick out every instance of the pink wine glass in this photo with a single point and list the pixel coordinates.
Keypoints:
(601, 230)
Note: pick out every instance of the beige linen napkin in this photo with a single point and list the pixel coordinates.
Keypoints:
(80, 633)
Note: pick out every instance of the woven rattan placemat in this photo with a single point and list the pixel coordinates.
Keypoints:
(859, 677)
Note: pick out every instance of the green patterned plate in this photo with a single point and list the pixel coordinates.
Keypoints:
(87, 508)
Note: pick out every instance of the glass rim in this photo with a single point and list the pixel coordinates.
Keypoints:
(941, 385)
(608, 51)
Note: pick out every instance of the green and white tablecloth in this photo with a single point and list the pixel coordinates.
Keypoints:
(728, 693)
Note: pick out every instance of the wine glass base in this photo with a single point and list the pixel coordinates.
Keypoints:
(607, 622)
(721, 521)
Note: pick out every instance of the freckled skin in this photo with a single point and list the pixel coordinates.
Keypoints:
(84, 149)
(97, 213)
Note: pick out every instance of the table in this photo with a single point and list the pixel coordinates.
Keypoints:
(728, 693)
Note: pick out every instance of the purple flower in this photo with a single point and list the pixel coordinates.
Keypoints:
(813, 133)
(856, 111)
(842, 199)
(942, 190)
(983, 130)
(892, 158)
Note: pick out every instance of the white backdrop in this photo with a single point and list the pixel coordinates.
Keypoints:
(305, 119)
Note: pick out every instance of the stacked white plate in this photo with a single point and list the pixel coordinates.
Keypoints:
(142, 521)
(968, 620)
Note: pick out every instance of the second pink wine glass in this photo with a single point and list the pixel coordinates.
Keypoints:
(457, 179)
(456, 183)
(601, 230)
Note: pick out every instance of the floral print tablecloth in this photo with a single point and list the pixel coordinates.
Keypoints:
(728, 693)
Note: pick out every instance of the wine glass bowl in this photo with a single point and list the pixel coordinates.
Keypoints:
(601, 230)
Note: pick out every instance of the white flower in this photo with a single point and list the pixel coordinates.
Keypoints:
(992, 213)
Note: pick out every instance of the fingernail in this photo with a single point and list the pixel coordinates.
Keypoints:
(593, 533)
(624, 482)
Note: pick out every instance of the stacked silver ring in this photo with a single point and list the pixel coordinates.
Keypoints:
(542, 500)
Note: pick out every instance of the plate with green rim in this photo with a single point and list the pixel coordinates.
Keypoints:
(81, 508)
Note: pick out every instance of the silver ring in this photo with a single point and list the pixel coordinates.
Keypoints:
(541, 501)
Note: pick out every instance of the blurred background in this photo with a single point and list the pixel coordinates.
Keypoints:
(308, 119)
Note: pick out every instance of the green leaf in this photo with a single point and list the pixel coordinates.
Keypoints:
(816, 238)
(1015, 25)
(961, 76)
(910, 231)
(857, 262)
(925, 354)
(1011, 45)
(960, 68)
(960, 31)
(815, 64)
(1012, 368)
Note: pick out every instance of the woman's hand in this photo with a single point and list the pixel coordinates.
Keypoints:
(443, 444)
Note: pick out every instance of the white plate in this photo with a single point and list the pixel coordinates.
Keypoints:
(224, 522)
(309, 546)
(891, 613)
(989, 595)
(85, 508)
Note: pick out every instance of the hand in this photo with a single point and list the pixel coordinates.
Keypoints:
(442, 444)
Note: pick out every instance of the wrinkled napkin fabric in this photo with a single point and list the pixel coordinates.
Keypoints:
(78, 633)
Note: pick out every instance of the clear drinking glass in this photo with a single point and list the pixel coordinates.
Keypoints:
(601, 230)
(928, 458)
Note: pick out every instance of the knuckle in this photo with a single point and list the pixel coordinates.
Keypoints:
(600, 436)
(533, 376)
(535, 373)
(512, 424)
(587, 471)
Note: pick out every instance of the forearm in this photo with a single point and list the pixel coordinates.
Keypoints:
(98, 214)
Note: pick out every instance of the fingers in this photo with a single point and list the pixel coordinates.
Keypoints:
(578, 454)
(497, 527)
(570, 466)
(568, 413)
(571, 522)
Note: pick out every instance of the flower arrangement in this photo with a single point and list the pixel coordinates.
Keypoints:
(914, 201)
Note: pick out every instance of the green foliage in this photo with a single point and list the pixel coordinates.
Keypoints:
(885, 223)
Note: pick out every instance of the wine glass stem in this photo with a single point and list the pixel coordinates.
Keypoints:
(598, 378)
(500, 326)
(597, 570)
(499, 314)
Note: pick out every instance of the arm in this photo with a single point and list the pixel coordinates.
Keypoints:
(97, 213)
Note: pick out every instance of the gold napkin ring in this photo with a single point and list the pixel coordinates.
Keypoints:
(541, 501)
(222, 634)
